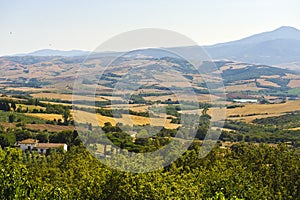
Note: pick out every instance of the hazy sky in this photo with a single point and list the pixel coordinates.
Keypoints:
(30, 25)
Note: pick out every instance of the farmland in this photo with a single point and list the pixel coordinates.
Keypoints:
(139, 113)
(56, 89)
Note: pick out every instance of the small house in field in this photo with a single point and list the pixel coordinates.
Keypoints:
(34, 145)
(245, 100)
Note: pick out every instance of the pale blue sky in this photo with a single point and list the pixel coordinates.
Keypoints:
(30, 25)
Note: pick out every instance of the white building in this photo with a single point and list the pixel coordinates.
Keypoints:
(245, 100)
(27, 144)
(33, 144)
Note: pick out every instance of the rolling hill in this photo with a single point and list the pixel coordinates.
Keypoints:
(277, 47)
(280, 47)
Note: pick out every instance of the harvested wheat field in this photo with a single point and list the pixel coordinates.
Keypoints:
(196, 112)
(67, 97)
(289, 106)
(294, 129)
(56, 103)
(49, 127)
(133, 107)
(257, 110)
(173, 97)
(267, 83)
(138, 120)
(249, 119)
(68, 104)
(292, 76)
(50, 117)
(243, 87)
(29, 89)
(294, 83)
(96, 120)
(232, 66)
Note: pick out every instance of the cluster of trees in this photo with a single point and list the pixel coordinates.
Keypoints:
(8, 105)
(261, 133)
(5, 106)
(286, 121)
(243, 172)
(9, 136)
(119, 136)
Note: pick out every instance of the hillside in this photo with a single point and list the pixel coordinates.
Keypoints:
(58, 73)
(272, 48)
(280, 47)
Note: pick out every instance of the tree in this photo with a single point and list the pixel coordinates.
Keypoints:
(19, 109)
(4, 106)
(90, 127)
(11, 118)
(66, 115)
(36, 102)
(22, 134)
(13, 106)
(42, 137)
(3, 141)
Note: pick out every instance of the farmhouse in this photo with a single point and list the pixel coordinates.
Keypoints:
(33, 144)
(245, 100)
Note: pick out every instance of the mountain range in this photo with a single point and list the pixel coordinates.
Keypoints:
(53, 52)
(280, 47)
(277, 47)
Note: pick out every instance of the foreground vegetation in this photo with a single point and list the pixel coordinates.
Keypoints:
(244, 171)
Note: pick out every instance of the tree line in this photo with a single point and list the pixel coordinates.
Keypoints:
(244, 171)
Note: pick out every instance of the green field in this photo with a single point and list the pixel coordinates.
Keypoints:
(295, 91)
(20, 117)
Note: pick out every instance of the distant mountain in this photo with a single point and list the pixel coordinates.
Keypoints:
(272, 48)
(279, 47)
(52, 52)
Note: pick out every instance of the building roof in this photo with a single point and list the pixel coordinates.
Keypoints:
(48, 145)
(29, 141)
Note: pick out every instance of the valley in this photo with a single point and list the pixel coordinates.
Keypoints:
(272, 90)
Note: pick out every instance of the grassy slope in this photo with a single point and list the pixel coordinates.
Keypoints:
(21, 116)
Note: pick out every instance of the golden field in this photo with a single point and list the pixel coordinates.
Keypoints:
(173, 97)
(267, 83)
(45, 116)
(67, 97)
(49, 127)
(97, 119)
(294, 83)
(70, 97)
(243, 87)
(260, 110)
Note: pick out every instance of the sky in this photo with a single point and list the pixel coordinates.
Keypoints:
(30, 25)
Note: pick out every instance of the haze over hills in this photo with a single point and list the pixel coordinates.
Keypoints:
(276, 47)
(279, 47)
(53, 52)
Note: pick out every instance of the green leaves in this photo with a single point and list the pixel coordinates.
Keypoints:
(243, 172)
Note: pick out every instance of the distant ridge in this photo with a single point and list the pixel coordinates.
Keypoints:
(275, 47)
(53, 52)
(279, 47)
